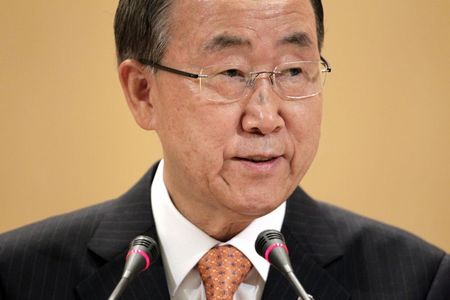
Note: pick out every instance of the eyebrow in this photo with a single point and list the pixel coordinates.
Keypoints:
(224, 41)
(300, 39)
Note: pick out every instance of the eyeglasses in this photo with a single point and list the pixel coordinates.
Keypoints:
(229, 83)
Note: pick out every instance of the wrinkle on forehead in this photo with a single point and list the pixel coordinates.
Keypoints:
(211, 26)
(205, 12)
(224, 40)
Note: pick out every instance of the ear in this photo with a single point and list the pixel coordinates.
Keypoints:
(136, 84)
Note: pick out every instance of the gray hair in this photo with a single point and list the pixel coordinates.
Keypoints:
(141, 28)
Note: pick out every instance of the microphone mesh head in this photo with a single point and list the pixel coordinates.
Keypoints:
(147, 244)
(266, 238)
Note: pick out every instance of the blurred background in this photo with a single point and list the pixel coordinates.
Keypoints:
(68, 140)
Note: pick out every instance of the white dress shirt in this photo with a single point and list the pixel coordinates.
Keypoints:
(182, 244)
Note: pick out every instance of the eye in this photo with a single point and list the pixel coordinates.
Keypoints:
(232, 73)
(294, 71)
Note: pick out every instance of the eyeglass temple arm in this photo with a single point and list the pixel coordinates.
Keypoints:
(327, 65)
(171, 70)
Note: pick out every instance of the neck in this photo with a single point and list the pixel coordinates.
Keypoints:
(220, 224)
(222, 232)
(212, 217)
(217, 225)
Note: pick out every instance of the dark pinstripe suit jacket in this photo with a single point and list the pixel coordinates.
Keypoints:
(336, 255)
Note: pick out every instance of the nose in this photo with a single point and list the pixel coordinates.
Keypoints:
(262, 109)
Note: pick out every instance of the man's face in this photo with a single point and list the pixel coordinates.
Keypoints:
(242, 159)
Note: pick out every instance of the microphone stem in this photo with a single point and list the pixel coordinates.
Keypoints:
(298, 287)
(120, 287)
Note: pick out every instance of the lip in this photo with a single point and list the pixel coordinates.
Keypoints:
(265, 164)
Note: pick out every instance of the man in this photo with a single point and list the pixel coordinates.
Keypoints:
(233, 90)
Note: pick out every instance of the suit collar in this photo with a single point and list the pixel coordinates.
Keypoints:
(313, 247)
(312, 243)
(307, 227)
(130, 215)
(125, 218)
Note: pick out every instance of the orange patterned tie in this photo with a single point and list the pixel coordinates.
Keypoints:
(222, 270)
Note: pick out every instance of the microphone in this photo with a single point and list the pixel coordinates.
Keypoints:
(142, 253)
(271, 246)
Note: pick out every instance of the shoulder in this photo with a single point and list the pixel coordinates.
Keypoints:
(323, 222)
(368, 258)
(67, 229)
(76, 227)
(386, 258)
(50, 254)
(48, 259)
(355, 230)
(82, 220)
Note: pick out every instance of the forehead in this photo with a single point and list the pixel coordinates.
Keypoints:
(200, 28)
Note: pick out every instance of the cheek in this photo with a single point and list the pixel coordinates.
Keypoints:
(196, 131)
(305, 132)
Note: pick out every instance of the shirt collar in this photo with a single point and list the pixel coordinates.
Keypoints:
(183, 244)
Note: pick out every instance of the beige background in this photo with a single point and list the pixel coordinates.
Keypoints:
(68, 140)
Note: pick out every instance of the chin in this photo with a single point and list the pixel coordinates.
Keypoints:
(256, 207)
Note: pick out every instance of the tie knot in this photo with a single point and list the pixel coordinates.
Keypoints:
(222, 270)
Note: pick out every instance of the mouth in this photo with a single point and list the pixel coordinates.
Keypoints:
(257, 159)
(259, 164)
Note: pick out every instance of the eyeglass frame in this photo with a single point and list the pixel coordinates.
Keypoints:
(158, 66)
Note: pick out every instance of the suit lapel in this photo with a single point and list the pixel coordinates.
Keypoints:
(312, 247)
(311, 241)
(127, 217)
